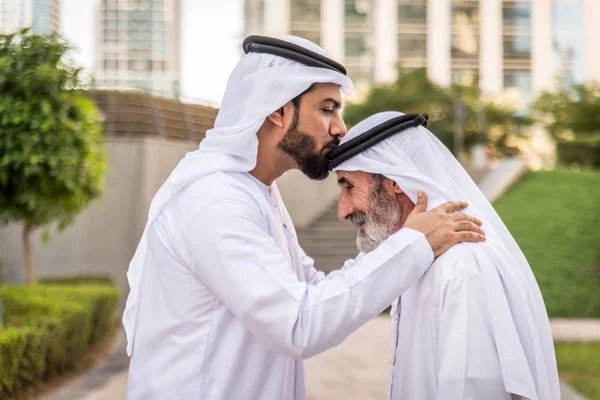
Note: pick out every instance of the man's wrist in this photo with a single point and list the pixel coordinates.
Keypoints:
(420, 246)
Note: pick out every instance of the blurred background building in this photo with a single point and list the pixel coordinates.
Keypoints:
(43, 16)
(491, 41)
(138, 45)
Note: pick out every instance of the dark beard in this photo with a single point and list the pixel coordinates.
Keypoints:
(302, 148)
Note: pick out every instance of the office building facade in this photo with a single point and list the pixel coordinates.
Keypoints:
(491, 41)
(138, 46)
(42, 16)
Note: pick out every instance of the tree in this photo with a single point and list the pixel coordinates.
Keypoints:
(572, 113)
(52, 159)
(414, 92)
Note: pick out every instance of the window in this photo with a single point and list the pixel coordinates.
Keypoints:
(110, 35)
(517, 14)
(412, 11)
(110, 24)
(110, 64)
(356, 45)
(305, 10)
(520, 79)
(568, 41)
(465, 45)
(357, 10)
(464, 76)
(517, 46)
(312, 35)
(519, 82)
(140, 65)
(361, 73)
(412, 45)
(158, 65)
(465, 29)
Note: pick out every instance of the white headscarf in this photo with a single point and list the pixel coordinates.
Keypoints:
(259, 85)
(417, 160)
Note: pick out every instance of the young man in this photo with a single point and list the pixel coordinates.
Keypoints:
(224, 304)
(474, 326)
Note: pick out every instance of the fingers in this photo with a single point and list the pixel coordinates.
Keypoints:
(468, 226)
(452, 206)
(456, 217)
(421, 205)
(456, 238)
(470, 237)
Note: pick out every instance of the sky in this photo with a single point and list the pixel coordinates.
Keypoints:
(211, 36)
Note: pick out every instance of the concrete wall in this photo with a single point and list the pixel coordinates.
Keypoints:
(104, 237)
(306, 199)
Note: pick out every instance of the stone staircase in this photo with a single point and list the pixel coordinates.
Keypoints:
(330, 241)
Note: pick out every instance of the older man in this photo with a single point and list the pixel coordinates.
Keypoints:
(474, 326)
(224, 304)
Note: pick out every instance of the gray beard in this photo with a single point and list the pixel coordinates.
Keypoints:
(379, 224)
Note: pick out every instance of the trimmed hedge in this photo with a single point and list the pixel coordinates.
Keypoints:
(584, 152)
(49, 328)
(78, 280)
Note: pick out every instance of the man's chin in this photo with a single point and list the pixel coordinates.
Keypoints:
(364, 244)
(314, 167)
(315, 175)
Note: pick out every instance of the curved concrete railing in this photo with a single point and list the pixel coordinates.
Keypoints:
(502, 177)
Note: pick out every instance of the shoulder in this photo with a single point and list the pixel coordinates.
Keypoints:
(220, 195)
(456, 263)
(217, 187)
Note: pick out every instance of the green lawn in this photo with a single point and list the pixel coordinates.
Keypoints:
(579, 365)
(555, 218)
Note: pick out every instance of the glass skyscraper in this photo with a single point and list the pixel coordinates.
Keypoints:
(42, 16)
(138, 46)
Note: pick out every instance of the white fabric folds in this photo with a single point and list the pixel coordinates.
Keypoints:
(259, 85)
(417, 160)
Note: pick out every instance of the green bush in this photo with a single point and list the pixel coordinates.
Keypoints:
(49, 328)
(78, 279)
(12, 350)
(584, 152)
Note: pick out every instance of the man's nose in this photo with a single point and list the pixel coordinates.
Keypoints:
(338, 127)
(345, 208)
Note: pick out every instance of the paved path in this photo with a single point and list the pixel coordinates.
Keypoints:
(100, 377)
(575, 330)
(355, 370)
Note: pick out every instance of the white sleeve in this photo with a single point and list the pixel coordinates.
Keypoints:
(468, 361)
(310, 272)
(312, 275)
(229, 249)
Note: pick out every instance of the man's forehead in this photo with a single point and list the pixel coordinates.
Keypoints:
(351, 176)
(326, 90)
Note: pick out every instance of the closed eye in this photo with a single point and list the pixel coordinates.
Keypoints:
(345, 183)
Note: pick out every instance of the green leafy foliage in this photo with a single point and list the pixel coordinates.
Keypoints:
(585, 152)
(52, 158)
(414, 92)
(49, 328)
(572, 113)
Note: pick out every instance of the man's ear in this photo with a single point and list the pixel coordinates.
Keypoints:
(391, 186)
(277, 117)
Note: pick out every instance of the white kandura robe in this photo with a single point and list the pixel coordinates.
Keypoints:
(442, 334)
(223, 313)
(477, 319)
